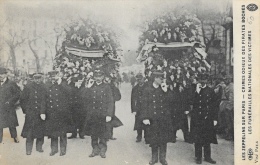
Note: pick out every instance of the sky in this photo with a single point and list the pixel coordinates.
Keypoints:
(124, 14)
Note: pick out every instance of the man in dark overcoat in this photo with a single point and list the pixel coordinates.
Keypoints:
(156, 116)
(136, 97)
(58, 115)
(9, 95)
(98, 102)
(33, 104)
(77, 111)
(180, 109)
(116, 97)
(202, 120)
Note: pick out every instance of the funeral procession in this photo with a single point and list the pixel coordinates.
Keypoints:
(116, 82)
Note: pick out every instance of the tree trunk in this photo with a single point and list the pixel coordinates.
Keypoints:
(13, 58)
(37, 60)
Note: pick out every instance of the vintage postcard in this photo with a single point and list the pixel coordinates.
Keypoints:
(128, 82)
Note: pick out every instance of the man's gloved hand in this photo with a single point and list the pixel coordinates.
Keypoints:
(43, 116)
(215, 122)
(108, 118)
(146, 122)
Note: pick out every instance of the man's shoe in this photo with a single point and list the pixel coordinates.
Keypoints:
(39, 150)
(152, 162)
(28, 153)
(164, 162)
(53, 153)
(103, 155)
(112, 138)
(138, 140)
(72, 136)
(81, 137)
(93, 154)
(16, 140)
(62, 153)
(198, 161)
(211, 161)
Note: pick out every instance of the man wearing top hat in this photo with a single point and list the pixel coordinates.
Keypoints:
(33, 104)
(202, 120)
(136, 97)
(58, 116)
(9, 95)
(156, 115)
(98, 102)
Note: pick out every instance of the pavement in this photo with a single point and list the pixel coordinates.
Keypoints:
(123, 151)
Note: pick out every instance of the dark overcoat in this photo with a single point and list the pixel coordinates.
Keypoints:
(136, 101)
(180, 103)
(9, 95)
(76, 105)
(202, 117)
(155, 107)
(58, 114)
(33, 104)
(98, 103)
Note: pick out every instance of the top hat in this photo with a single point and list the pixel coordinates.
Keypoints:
(37, 75)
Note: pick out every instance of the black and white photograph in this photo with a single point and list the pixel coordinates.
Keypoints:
(119, 82)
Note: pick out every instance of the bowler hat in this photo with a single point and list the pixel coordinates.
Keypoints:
(3, 70)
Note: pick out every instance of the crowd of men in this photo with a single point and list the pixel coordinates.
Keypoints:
(160, 110)
(58, 107)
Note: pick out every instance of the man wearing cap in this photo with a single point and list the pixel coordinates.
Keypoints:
(136, 97)
(58, 116)
(155, 114)
(33, 104)
(98, 102)
(9, 95)
(202, 120)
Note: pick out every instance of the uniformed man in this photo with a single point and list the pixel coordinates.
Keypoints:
(78, 113)
(58, 116)
(33, 103)
(98, 101)
(116, 97)
(136, 97)
(155, 114)
(202, 120)
(9, 95)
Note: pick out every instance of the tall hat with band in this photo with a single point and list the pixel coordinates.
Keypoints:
(3, 70)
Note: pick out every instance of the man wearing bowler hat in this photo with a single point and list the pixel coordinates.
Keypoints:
(202, 120)
(58, 115)
(9, 95)
(33, 103)
(98, 102)
(155, 114)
